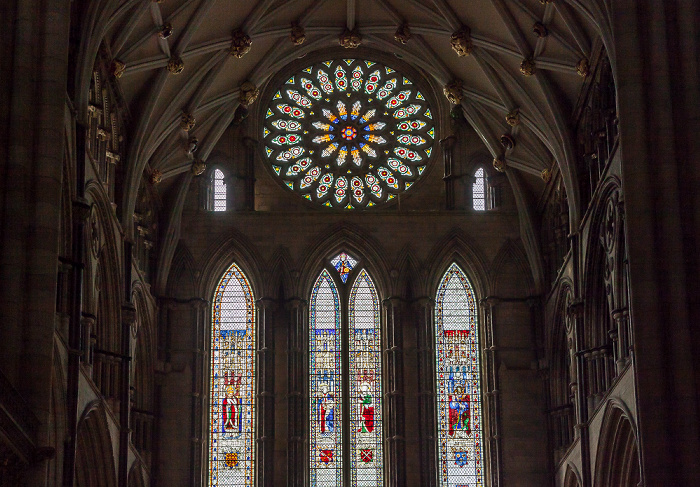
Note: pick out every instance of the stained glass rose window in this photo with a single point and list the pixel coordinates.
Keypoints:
(348, 133)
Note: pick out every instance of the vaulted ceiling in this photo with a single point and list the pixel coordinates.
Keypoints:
(503, 36)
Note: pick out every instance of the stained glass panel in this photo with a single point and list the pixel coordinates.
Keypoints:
(232, 413)
(325, 384)
(325, 114)
(460, 446)
(343, 263)
(365, 384)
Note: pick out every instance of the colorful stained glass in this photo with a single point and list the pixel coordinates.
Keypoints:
(232, 385)
(344, 264)
(325, 365)
(460, 449)
(366, 454)
(335, 114)
(342, 452)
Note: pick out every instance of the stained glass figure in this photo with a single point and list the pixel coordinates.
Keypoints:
(479, 190)
(365, 384)
(343, 263)
(339, 122)
(460, 448)
(325, 384)
(232, 386)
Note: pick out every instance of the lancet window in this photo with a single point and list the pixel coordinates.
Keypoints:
(232, 384)
(459, 416)
(345, 409)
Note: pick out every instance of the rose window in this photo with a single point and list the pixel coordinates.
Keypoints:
(348, 133)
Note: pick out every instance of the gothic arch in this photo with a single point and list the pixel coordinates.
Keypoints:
(617, 458)
(221, 253)
(94, 457)
(560, 348)
(511, 257)
(572, 478)
(456, 247)
(596, 311)
(350, 239)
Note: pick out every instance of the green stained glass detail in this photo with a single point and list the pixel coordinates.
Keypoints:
(290, 81)
(328, 63)
(277, 169)
(421, 169)
(269, 151)
(349, 61)
(269, 113)
(277, 95)
(428, 113)
(290, 184)
(431, 132)
(428, 151)
(406, 81)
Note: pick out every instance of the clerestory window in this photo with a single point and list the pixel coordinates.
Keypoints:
(217, 191)
(479, 190)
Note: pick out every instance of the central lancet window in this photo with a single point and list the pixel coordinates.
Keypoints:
(345, 410)
(460, 448)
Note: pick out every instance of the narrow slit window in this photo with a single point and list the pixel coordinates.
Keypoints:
(479, 190)
(218, 191)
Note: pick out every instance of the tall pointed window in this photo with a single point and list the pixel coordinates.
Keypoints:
(217, 191)
(345, 410)
(460, 449)
(479, 190)
(232, 386)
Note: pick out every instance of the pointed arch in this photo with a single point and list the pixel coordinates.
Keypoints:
(232, 433)
(458, 378)
(94, 466)
(365, 382)
(325, 368)
(617, 458)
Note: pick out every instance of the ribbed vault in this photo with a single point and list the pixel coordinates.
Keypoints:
(156, 39)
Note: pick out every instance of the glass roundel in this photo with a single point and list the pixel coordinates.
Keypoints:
(348, 133)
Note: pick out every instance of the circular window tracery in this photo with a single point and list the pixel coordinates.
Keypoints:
(348, 133)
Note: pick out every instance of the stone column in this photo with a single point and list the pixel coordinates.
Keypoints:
(297, 370)
(200, 366)
(448, 144)
(492, 406)
(394, 308)
(266, 386)
(656, 69)
(423, 312)
(251, 146)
